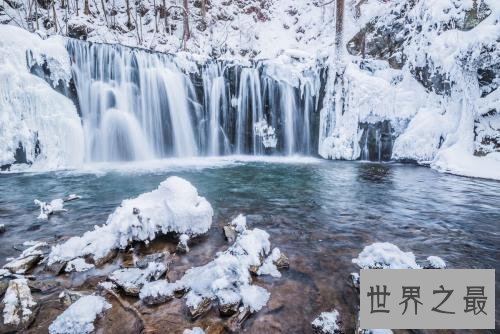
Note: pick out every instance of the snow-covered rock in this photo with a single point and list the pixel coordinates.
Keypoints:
(27, 259)
(80, 316)
(327, 323)
(436, 262)
(131, 280)
(19, 305)
(174, 207)
(384, 255)
(272, 263)
(194, 330)
(47, 209)
(226, 279)
(79, 264)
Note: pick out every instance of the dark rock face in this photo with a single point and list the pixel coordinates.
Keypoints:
(78, 31)
(377, 141)
(487, 133)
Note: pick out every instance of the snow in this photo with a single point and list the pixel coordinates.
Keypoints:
(174, 207)
(268, 267)
(226, 278)
(78, 265)
(239, 223)
(436, 262)
(132, 279)
(327, 322)
(26, 259)
(46, 209)
(194, 330)
(79, 317)
(267, 133)
(33, 114)
(384, 255)
(18, 302)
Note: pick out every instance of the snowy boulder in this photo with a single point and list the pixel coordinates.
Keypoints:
(237, 225)
(80, 316)
(384, 255)
(274, 262)
(174, 207)
(226, 279)
(19, 306)
(27, 260)
(162, 257)
(435, 262)
(194, 330)
(47, 209)
(327, 323)
(131, 280)
(78, 265)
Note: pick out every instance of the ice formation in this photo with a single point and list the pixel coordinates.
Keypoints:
(226, 279)
(39, 125)
(80, 316)
(194, 330)
(436, 262)
(18, 302)
(269, 266)
(78, 265)
(267, 133)
(174, 207)
(46, 209)
(384, 255)
(327, 322)
(132, 279)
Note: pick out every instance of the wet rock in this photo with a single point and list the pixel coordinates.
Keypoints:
(216, 328)
(180, 292)
(2, 228)
(68, 297)
(161, 257)
(182, 246)
(20, 309)
(229, 233)
(43, 286)
(108, 257)
(128, 260)
(22, 265)
(282, 262)
(328, 323)
(236, 321)
(228, 309)
(354, 281)
(202, 308)
(55, 268)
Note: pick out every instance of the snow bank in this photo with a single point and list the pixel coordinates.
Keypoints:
(174, 207)
(436, 262)
(384, 255)
(79, 317)
(327, 322)
(226, 279)
(35, 119)
(18, 302)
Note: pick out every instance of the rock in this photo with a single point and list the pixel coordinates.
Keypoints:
(328, 323)
(229, 233)
(15, 4)
(68, 297)
(236, 321)
(43, 286)
(78, 30)
(215, 328)
(354, 281)
(20, 308)
(161, 257)
(2, 228)
(22, 265)
(157, 299)
(55, 268)
(128, 260)
(4, 283)
(108, 257)
(282, 262)
(228, 309)
(202, 308)
(131, 280)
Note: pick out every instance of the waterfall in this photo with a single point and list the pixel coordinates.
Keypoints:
(138, 105)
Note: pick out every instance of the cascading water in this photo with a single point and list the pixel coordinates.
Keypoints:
(137, 105)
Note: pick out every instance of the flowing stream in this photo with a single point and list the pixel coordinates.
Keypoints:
(319, 213)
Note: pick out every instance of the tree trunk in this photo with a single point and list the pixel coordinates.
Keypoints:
(186, 33)
(129, 22)
(54, 14)
(339, 24)
(203, 9)
(86, 9)
(105, 14)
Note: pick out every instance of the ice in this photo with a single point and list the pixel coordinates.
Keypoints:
(80, 316)
(226, 278)
(269, 267)
(327, 322)
(132, 279)
(384, 255)
(194, 330)
(436, 262)
(34, 118)
(78, 265)
(47, 209)
(174, 207)
(27, 259)
(18, 302)
(267, 133)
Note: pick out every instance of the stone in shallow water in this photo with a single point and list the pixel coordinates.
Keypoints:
(229, 233)
(68, 297)
(236, 321)
(155, 257)
(131, 280)
(20, 308)
(203, 307)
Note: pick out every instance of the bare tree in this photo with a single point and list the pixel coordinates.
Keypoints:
(86, 9)
(339, 24)
(129, 22)
(186, 34)
(203, 8)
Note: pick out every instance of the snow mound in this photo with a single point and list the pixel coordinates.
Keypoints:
(79, 317)
(436, 262)
(194, 330)
(174, 207)
(384, 255)
(269, 267)
(225, 279)
(18, 302)
(327, 322)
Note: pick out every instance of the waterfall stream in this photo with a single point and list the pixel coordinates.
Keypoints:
(137, 105)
